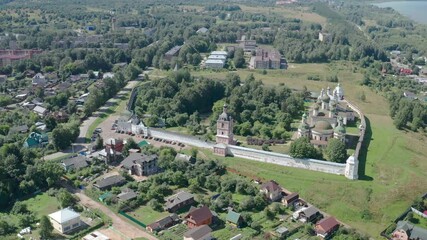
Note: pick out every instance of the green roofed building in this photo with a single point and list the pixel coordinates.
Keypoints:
(105, 196)
(35, 140)
(234, 218)
(143, 144)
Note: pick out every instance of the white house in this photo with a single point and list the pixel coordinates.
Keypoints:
(65, 220)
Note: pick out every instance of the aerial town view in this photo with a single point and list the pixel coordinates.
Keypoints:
(210, 119)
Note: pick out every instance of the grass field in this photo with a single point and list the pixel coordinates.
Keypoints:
(288, 12)
(147, 215)
(42, 204)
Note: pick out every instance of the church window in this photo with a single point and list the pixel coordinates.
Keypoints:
(222, 124)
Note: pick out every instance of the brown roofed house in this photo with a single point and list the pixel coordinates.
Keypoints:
(326, 227)
(289, 199)
(272, 190)
(199, 216)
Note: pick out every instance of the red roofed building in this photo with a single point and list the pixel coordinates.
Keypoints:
(326, 227)
(406, 71)
(199, 216)
(9, 56)
(272, 190)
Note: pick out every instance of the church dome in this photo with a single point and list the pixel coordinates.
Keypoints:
(322, 125)
(326, 98)
(223, 117)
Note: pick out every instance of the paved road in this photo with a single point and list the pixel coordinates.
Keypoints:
(84, 127)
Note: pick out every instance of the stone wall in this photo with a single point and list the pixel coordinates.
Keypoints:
(286, 160)
(188, 140)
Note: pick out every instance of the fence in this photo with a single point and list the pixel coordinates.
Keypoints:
(132, 219)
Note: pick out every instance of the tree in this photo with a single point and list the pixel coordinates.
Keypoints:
(19, 208)
(336, 151)
(46, 228)
(302, 148)
(239, 59)
(99, 143)
(130, 144)
(5, 228)
(65, 198)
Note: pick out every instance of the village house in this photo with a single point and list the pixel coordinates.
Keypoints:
(3, 79)
(281, 232)
(35, 140)
(39, 80)
(186, 158)
(96, 236)
(234, 218)
(325, 37)
(173, 52)
(202, 30)
(407, 231)
(163, 223)
(65, 220)
(199, 216)
(41, 111)
(325, 227)
(126, 195)
(178, 201)
(109, 182)
(272, 190)
(115, 144)
(410, 95)
(19, 129)
(306, 215)
(290, 199)
(202, 232)
(140, 165)
(60, 116)
(75, 163)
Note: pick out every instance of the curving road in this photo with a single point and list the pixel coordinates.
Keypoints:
(80, 143)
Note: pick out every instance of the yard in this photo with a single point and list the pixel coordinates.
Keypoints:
(147, 215)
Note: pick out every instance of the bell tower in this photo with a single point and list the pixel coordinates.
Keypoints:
(224, 128)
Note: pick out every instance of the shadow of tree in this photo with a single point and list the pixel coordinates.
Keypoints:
(364, 152)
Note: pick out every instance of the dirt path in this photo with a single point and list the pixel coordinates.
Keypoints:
(119, 224)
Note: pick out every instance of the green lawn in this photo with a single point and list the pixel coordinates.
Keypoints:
(42, 204)
(420, 221)
(147, 215)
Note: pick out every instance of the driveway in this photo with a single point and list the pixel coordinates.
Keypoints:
(127, 229)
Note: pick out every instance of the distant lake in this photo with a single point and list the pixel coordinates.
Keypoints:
(415, 10)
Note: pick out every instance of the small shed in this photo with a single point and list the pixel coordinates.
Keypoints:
(234, 218)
